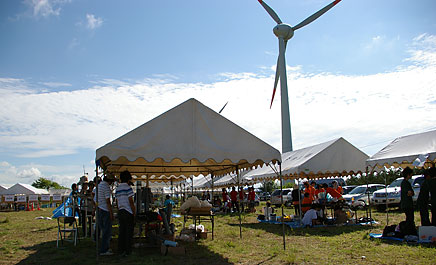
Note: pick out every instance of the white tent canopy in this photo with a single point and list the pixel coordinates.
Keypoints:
(403, 151)
(188, 140)
(3, 188)
(332, 158)
(21, 188)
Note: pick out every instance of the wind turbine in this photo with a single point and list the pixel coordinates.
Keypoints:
(285, 32)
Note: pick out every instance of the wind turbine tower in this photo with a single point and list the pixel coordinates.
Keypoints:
(285, 32)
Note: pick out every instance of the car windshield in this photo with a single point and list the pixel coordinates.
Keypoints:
(286, 192)
(396, 183)
(275, 193)
(358, 190)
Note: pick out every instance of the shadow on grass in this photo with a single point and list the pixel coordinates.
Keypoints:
(85, 253)
(318, 231)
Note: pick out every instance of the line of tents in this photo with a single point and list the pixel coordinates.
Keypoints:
(192, 140)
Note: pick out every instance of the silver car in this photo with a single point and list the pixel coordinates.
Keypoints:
(393, 192)
(359, 195)
(276, 197)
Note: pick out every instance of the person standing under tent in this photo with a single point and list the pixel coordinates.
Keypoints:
(407, 201)
(422, 201)
(337, 187)
(251, 199)
(431, 187)
(306, 203)
(126, 213)
(105, 214)
(241, 198)
(234, 199)
(296, 197)
(309, 189)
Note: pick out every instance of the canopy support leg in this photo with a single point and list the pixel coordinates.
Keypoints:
(283, 215)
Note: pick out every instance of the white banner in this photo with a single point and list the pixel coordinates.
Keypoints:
(21, 198)
(45, 197)
(57, 197)
(33, 198)
(9, 198)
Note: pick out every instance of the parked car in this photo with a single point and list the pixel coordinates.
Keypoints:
(276, 197)
(347, 189)
(359, 195)
(265, 196)
(393, 192)
(329, 181)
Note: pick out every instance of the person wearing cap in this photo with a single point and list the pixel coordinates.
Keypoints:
(126, 213)
(105, 214)
(406, 202)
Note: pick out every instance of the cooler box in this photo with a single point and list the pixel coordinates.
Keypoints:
(427, 233)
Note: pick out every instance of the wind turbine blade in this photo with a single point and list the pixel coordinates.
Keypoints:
(277, 75)
(223, 107)
(270, 12)
(275, 81)
(316, 15)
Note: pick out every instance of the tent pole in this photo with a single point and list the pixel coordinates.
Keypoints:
(281, 197)
(97, 237)
(211, 199)
(369, 199)
(192, 185)
(299, 201)
(386, 199)
(240, 221)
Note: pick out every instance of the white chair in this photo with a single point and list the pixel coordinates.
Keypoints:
(67, 224)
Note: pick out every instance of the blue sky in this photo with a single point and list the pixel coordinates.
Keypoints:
(76, 74)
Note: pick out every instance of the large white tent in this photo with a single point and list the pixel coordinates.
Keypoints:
(25, 189)
(333, 158)
(188, 140)
(403, 151)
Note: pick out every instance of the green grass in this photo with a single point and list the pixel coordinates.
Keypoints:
(25, 240)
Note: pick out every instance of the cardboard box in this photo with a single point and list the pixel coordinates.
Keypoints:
(427, 233)
(179, 250)
(202, 235)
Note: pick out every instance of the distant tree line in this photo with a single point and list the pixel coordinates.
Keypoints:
(43, 183)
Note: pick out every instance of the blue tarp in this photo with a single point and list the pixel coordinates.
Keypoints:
(62, 211)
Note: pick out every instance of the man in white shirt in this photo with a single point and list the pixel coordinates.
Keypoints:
(310, 218)
(126, 213)
(105, 214)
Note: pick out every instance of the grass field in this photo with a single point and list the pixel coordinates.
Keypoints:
(26, 240)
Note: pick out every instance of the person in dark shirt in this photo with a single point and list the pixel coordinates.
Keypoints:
(422, 201)
(430, 185)
(296, 197)
(406, 199)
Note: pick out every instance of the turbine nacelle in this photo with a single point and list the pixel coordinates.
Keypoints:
(284, 31)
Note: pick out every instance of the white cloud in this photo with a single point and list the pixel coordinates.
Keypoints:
(363, 109)
(93, 22)
(56, 84)
(46, 8)
(10, 174)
